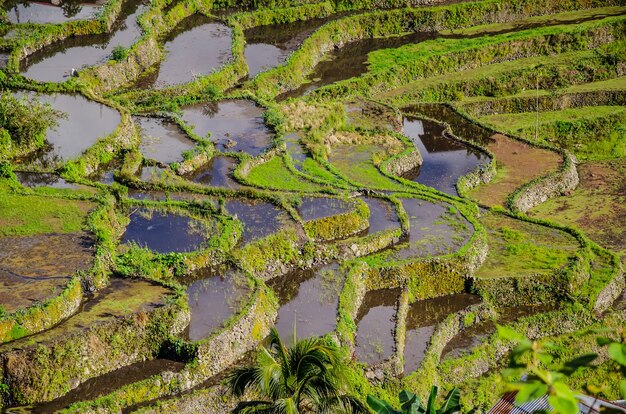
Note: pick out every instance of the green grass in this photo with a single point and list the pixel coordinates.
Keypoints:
(563, 18)
(383, 60)
(518, 248)
(23, 215)
(526, 120)
(274, 174)
(356, 163)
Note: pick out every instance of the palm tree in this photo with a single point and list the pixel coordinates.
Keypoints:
(411, 404)
(308, 377)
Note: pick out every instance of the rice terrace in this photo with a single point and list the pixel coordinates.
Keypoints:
(307, 206)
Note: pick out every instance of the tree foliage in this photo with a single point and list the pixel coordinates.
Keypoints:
(308, 377)
(26, 119)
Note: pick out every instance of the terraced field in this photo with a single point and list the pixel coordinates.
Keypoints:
(179, 176)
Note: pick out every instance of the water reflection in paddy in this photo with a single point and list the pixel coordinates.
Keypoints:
(382, 215)
(85, 122)
(375, 325)
(195, 47)
(32, 179)
(350, 61)
(434, 229)
(422, 319)
(309, 298)
(107, 383)
(22, 11)
(165, 232)
(296, 151)
(460, 126)
(313, 208)
(234, 125)
(55, 62)
(444, 159)
(162, 140)
(218, 172)
(260, 218)
(268, 46)
(471, 337)
(213, 298)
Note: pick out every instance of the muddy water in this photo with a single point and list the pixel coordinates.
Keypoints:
(85, 122)
(218, 172)
(107, 383)
(234, 125)
(460, 126)
(106, 173)
(21, 11)
(470, 338)
(260, 218)
(4, 60)
(350, 61)
(313, 208)
(165, 232)
(150, 173)
(197, 46)
(308, 299)
(375, 325)
(422, 319)
(296, 151)
(382, 215)
(18, 293)
(213, 298)
(162, 140)
(55, 63)
(33, 180)
(444, 159)
(121, 298)
(268, 46)
(432, 230)
(47, 255)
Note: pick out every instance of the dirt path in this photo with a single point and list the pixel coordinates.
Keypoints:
(597, 206)
(518, 163)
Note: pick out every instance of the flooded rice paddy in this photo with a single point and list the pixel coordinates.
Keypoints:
(444, 159)
(26, 11)
(232, 125)
(214, 296)
(260, 218)
(313, 208)
(350, 61)
(165, 232)
(434, 229)
(376, 323)
(196, 47)
(84, 122)
(268, 46)
(382, 215)
(422, 319)
(162, 140)
(218, 172)
(55, 63)
(308, 301)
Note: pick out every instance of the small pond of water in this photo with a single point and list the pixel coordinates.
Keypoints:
(376, 322)
(444, 159)
(234, 125)
(214, 296)
(308, 299)
(54, 63)
(165, 232)
(162, 140)
(422, 319)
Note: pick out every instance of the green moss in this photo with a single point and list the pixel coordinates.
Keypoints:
(275, 175)
(26, 215)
